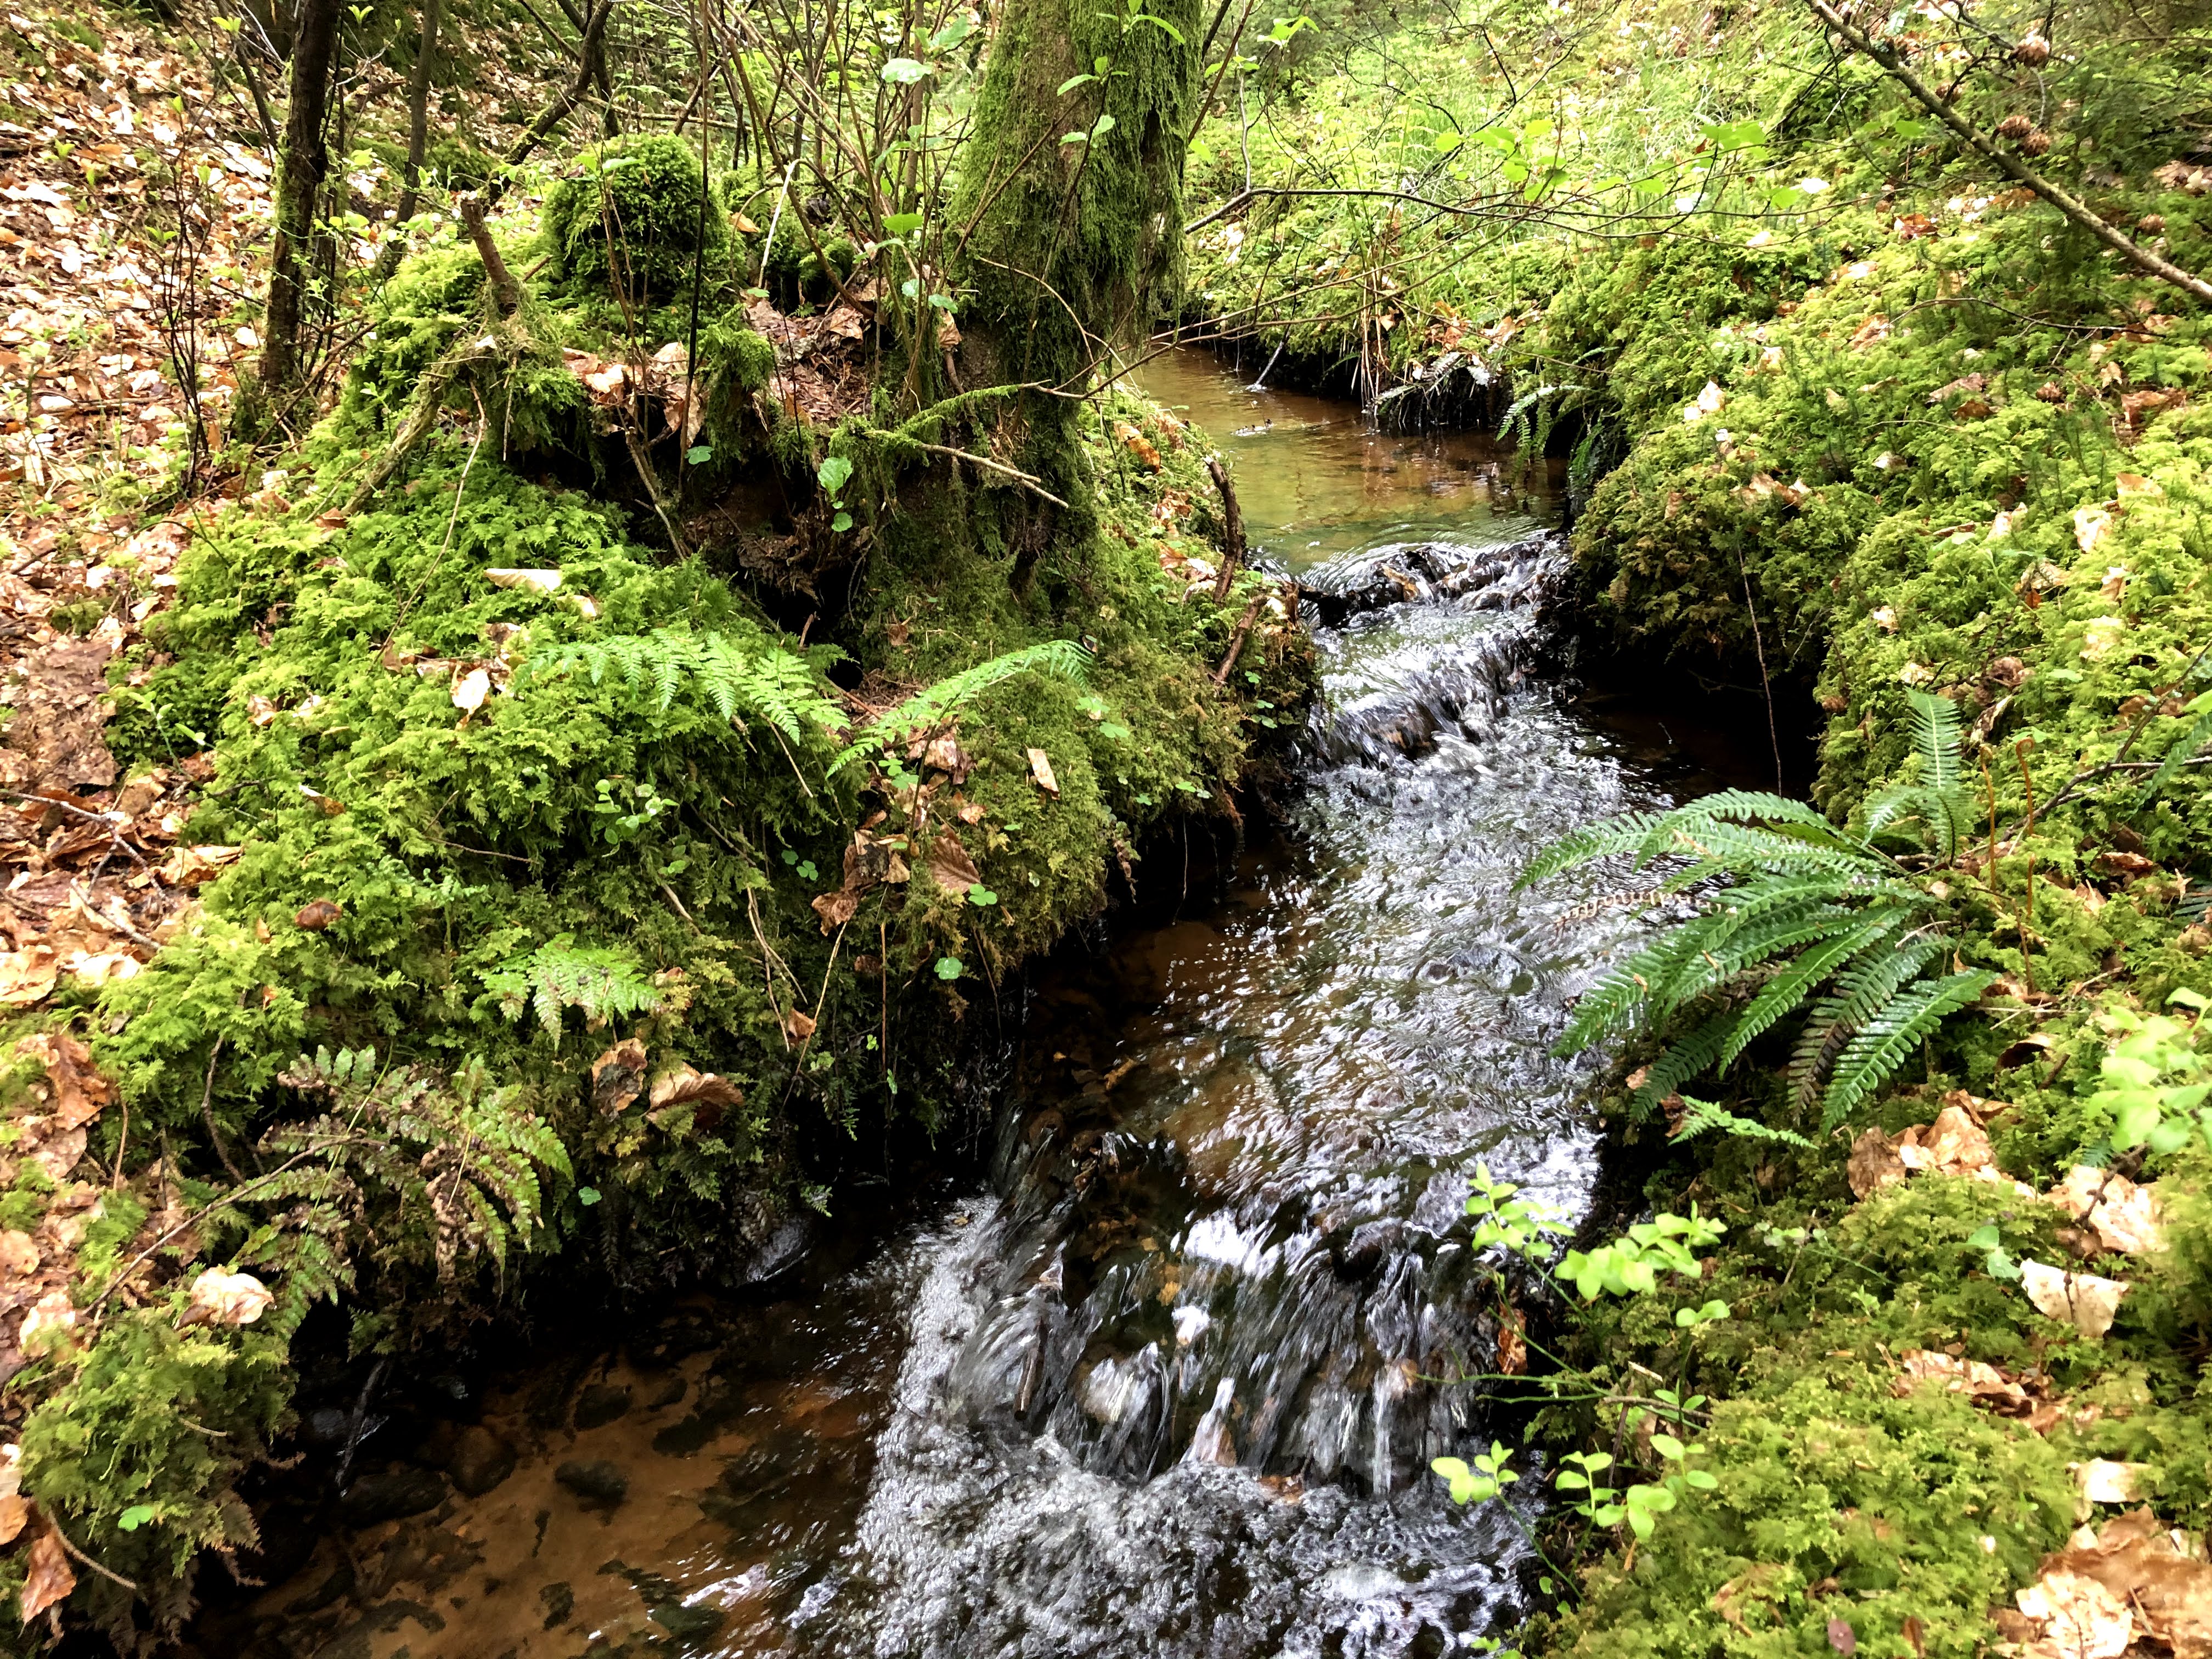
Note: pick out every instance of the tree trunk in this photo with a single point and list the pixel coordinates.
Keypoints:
(418, 140)
(1069, 248)
(299, 182)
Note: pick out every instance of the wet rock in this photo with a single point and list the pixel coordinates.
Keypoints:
(595, 1480)
(387, 1497)
(601, 1404)
(480, 1461)
(357, 1640)
(339, 1584)
(667, 1393)
(687, 1624)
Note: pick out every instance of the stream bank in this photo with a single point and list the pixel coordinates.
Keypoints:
(1168, 1380)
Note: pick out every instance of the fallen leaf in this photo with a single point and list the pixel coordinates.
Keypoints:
(318, 913)
(221, 1299)
(51, 1319)
(799, 1025)
(1842, 1637)
(530, 581)
(470, 690)
(2091, 525)
(1954, 1145)
(836, 909)
(188, 867)
(1874, 329)
(2078, 1616)
(2134, 483)
(2125, 1215)
(14, 1509)
(1978, 1380)
(2144, 1566)
(2104, 1481)
(948, 865)
(1873, 1163)
(19, 1256)
(79, 1093)
(28, 977)
(682, 1083)
(48, 1578)
(618, 1078)
(2082, 1300)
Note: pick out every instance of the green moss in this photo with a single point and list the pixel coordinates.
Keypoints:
(638, 217)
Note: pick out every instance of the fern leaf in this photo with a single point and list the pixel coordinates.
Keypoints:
(1064, 657)
(1685, 1057)
(1870, 979)
(1592, 842)
(1884, 1043)
(1789, 989)
(1699, 1115)
(2185, 750)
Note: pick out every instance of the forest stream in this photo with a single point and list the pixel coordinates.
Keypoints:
(1168, 1383)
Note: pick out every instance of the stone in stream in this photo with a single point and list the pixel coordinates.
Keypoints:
(601, 1404)
(595, 1480)
(388, 1497)
(480, 1461)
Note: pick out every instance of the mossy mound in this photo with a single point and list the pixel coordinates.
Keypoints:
(639, 217)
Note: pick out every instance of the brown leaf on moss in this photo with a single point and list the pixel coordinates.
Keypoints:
(618, 1078)
(683, 1085)
(1983, 1383)
(221, 1299)
(1040, 769)
(318, 913)
(48, 1578)
(948, 865)
(2126, 1216)
(78, 1092)
(1873, 1163)
(2084, 1301)
(2140, 1566)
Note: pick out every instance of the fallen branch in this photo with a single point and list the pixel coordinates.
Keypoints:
(1236, 640)
(430, 398)
(1028, 480)
(506, 292)
(1232, 528)
(2013, 168)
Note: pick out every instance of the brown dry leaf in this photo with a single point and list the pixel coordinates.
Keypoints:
(14, 1510)
(1876, 328)
(2125, 1215)
(680, 1084)
(2091, 525)
(2156, 1573)
(188, 867)
(529, 582)
(800, 1024)
(57, 1154)
(1732, 1599)
(49, 1321)
(1040, 769)
(1954, 1145)
(2104, 1481)
(1984, 1383)
(1873, 1163)
(79, 1093)
(221, 1299)
(946, 755)
(19, 1256)
(2082, 1300)
(837, 909)
(948, 865)
(27, 975)
(318, 913)
(54, 740)
(618, 1078)
(2077, 1618)
(471, 689)
(48, 1578)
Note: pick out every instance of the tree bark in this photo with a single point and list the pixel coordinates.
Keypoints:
(418, 140)
(304, 163)
(590, 62)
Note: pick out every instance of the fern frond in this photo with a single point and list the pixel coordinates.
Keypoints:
(1064, 657)
(1936, 736)
(561, 974)
(1882, 1044)
(2185, 748)
(738, 676)
(1870, 980)
(1789, 989)
(1685, 1057)
(1592, 842)
(1699, 1115)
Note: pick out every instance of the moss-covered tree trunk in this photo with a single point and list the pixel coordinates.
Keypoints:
(299, 178)
(1077, 242)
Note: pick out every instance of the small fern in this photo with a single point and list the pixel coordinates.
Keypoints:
(738, 677)
(561, 974)
(925, 708)
(1795, 911)
(2185, 749)
(1699, 1115)
(401, 1149)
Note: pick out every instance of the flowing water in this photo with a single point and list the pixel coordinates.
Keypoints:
(1169, 1382)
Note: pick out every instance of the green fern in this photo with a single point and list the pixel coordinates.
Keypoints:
(1797, 919)
(1699, 1115)
(738, 677)
(925, 708)
(2185, 749)
(561, 974)
(402, 1154)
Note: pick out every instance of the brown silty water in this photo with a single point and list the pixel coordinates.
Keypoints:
(1169, 1384)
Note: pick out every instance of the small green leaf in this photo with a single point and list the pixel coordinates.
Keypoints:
(905, 71)
(699, 454)
(587, 1196)
(949, 966)
(900, 224)
(807, 870)
(135, 1517)
(841, 523)
(981, 897)
(834, 473)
